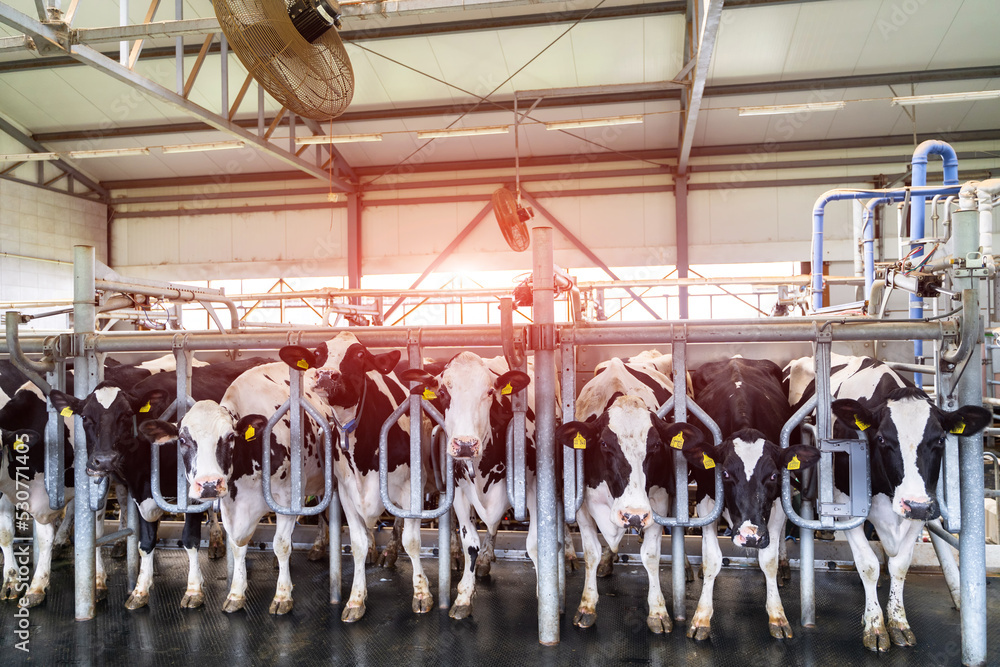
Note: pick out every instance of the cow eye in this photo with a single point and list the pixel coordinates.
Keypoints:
(879, 439)
(774, 476)
(725, 474)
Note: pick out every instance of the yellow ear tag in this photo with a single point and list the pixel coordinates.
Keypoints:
(145, 408)
(579, 442)
(19, 445)
(507, 390)
(428, 394)
(248, 435)
(677, 442)
(303, 364)
(794, 464)
(707, 461)
(861, 425)
(65, 412)
(958, 428)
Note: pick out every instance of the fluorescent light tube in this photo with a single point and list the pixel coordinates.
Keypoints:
(463, 132)
(593, 122)
(337, 139)
(197, 148)
(29, 157)
(108, 152)
(778, 109)
(947, 97)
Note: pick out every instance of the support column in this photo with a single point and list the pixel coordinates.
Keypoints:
(681, 222)
(353, 241)
(545, 412)
(84, 313)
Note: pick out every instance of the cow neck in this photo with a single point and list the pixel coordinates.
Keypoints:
(352, 425)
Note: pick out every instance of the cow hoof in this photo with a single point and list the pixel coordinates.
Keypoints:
(372, 557)
(137, 600)
(216, 551)
(699, 633)
(34, 599)
(784, 573)
(317, 553)
(101, 592)
(876, 639)
(572, 564)
(279, 607)
(780, 629)
(584, 618)
(901, 635)
(233, 603)
(9, 590)
(688, 573)
(460, 611)
(118, 550)
(605, 569)
(353, 613)
(192, 600)
(422, 603)
(482, 568)
(387, 558)
(659, 623)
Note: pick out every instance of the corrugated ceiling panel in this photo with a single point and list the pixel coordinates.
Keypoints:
(555, 68)
(823, 43)
(752, 44)
(971, 38)
(473, 61)
(905, 39)
(596, 64)
(409, 86)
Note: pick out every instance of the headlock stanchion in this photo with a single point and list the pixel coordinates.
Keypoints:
(416, 476)
(516, 440)
(572, 471)
(297, 403)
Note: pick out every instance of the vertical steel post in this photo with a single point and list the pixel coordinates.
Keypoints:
(224, 74)
(681, 222)
(179, 47)
(333, 519)
(55, 443)
(444, 536)
(545, 412)
(807, 566)
(416, 433)
(183, 387)
(261, 126)
(123, 21)
(679, 351)
(132, 541)
(295, 450)
(84, 314)
(972, 540)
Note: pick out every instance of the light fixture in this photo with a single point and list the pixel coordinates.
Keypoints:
(778, 109)
(463, 132)
(108, 152)
(593, 122)
(947, 97)
(337, 139)
(197, 148)
(29, 157)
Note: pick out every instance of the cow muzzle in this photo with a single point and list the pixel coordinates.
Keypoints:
(464, 448)
(919, 511)
(750, 536)
(101, 464)
(635, 518)
(209, 488)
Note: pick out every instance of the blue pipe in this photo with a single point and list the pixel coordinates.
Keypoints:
(868, 238)
(919, 178)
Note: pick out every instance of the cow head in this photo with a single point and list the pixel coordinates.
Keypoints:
(472, 399)
(342, 365)
(906, 438)
(18, 447)
(109, 416)
(751, 474)
(206, 440)
(624, 448)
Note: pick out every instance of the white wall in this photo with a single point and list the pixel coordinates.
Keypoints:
(38, 229)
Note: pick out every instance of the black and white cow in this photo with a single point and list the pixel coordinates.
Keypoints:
(474, 394)
(746, 400)
(628, 472)
(111, 415)
(906, 436)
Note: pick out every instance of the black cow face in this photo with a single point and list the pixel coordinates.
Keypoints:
(342, 366)
(751, 473)
(906, 439)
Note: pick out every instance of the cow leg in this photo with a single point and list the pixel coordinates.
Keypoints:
(462, 606)
(487, 555)
(777, 623)
(237, 592)
(216, 536)
(586, 613)
(899, 563)
(784, 568)
(282, 602)
(423, 600)
(147, 541)
(40, 581)
(456, 548)
(191, 539)
(389, 556)
(64, 532)
(570, 551)
(355, 607)
(875, 636)
(606, 565)
(101, 583)
(658, 619)
(9, 590)
(711, 563)
(318, 551)
(121, 494)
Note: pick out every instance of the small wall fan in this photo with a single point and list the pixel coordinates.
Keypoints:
(511, 217)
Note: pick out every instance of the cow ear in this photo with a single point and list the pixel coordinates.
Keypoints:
(798, 457)
(854, 415)
(429, 390)
(419, 375)
(679, 435)
(512, 382)
(575, 435)
(150, 404)
(967, 420)
(159, 432)
(250, 428)
(64, 403)
(298, 357)
(701, 454)
(383, 363)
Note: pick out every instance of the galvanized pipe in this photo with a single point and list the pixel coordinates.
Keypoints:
(335, 547)
(679, 352)
(383, 467)
(573, 458)
(84, 315)
(132, 541)
(55, 443)
(444, 531)
(416, 433)
(545, 413)
(32, 369)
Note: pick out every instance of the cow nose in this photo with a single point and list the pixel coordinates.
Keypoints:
(920, 511)
(634, 518)
(464, 448)
(751, 536)
(209, 488)
(100, 464)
